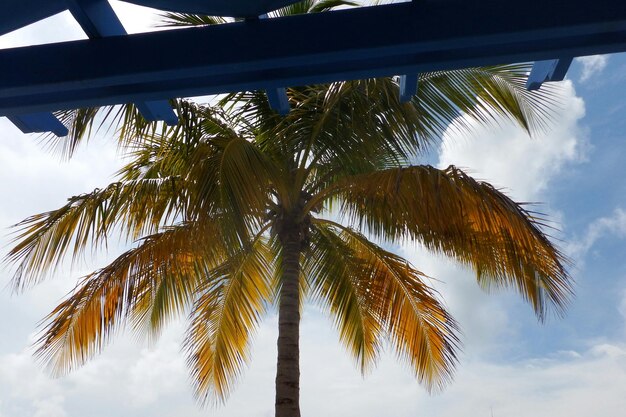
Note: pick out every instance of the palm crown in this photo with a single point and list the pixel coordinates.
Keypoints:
(238, 209)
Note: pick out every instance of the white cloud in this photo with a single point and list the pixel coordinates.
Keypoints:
(23, 385)
(564, 384)
(613, 225)
(590, 384)
(622, 306)
(484, 318)
(63, 27)
(58, 28)
(136, 19)
(50, 407)
(124, 380)
(524, 167)
(592, 65)
(507, 157)
(158, 372)
(35, 180)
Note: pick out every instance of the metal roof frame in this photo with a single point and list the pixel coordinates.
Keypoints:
(271, 54)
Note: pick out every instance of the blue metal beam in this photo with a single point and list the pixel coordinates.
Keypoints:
(96, 17)
(157, 110)
(98, 20)
(277, 97)
(403, 38)
(15, 14)
(279, 100)
(39, 123)
(549, 70)
(234, 8)
(408, 87)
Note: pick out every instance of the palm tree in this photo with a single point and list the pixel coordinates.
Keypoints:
(238, 209)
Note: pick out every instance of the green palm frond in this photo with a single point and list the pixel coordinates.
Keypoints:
(327, 5)
(82, 123)
(188, 19)
(312, 6)
(423, 334)
(240, 162)
(453, 214)
(226, 172)
(129, 125)
(377, 131)
(486, 95)
(144, 286)
(374, 126)
(307, 6)
(224, 318)
(138, 207)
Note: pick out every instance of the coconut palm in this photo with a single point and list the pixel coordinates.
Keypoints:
(238, 209)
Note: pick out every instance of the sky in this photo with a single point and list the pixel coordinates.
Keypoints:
(511, 365)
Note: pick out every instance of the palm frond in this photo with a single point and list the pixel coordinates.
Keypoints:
(337, 129)
(145, 286)
(328, 5)
(311, 6)
(245, 178)
(226, 172)
(170, 19)
(350, 121)
(138, 207)
(203, 167)
(224, 318)
(338, 281)
(82, 123)
(468, 220)
(362, 125)
(486, 95)
(394, 293)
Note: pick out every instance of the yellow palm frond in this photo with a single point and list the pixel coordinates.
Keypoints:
(471, 221)
(337, 278)
(144, 286)
(225, 316)
(405, 308)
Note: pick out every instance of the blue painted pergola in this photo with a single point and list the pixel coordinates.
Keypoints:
(112, 67)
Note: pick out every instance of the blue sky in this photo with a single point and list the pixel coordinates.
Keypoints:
(511, 365)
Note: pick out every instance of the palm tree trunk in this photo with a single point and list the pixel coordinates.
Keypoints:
(288, 367)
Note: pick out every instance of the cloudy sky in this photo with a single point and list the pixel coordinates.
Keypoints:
(511, 365)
